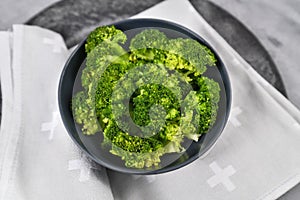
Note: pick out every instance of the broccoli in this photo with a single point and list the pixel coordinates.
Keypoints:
(105, 33)
(186, 55)
(83, 114)
(197, 55)
(149, 38)
(104, 54)
(147, 99)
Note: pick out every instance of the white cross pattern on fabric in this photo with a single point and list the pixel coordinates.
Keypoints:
(221, 176)
(55, 42)
(233, 116)
(50, 126)
(84, 166)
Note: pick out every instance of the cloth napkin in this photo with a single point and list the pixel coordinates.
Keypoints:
(257, 155)
(255, 158)
(38, 158)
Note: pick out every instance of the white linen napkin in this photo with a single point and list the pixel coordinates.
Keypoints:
(38, 158)
(257, 156)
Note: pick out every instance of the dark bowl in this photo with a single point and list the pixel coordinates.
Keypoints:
(196, 149)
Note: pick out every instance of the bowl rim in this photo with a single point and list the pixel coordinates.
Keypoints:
(224, 75)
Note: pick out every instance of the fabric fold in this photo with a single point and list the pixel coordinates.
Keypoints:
(40, 160)
(7, 108)
(256, 156)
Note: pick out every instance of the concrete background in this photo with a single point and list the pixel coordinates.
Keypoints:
(276, 23)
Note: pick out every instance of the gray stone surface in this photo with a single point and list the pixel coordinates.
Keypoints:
(75, 19)
(242, 40)
(19, 11)
(276, 23)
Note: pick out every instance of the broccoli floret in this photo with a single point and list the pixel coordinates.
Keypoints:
(104, 54)
(146, 44)
(186, 55)
(143, 100)
(208, 97)
(84, 114)
(157, 78)
(198, 55)
(149, 95)
(104, 33)
(149, 38)
(98, 60)
(138, 160)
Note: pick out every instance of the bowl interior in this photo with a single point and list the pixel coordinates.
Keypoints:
(90, 144)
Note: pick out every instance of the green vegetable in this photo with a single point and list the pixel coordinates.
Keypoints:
(105, 33)
(148, 99)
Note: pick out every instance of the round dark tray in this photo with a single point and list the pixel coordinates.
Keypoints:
(74, 19)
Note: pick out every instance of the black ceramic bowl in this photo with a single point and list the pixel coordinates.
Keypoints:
(195, 150)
